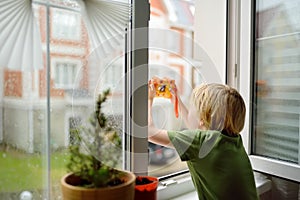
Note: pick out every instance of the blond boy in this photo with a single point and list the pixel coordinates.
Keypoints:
(212, 146)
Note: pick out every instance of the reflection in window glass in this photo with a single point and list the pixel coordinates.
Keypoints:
(277, 80)
(170, 55)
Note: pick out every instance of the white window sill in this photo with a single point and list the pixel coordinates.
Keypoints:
(182, 188)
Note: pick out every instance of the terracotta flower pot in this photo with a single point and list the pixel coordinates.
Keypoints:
(146, 188)
(124, 191)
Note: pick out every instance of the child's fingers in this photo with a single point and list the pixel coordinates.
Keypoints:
(155, 79)
(151, 89)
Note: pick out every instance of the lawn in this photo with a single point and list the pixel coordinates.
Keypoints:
(20, 171)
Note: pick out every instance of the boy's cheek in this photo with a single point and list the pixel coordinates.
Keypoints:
(193, 121)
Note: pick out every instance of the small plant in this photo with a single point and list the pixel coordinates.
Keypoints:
(96, 151)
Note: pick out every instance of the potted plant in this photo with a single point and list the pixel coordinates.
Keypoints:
(94, 155)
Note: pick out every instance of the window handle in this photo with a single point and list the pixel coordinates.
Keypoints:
(168, 182)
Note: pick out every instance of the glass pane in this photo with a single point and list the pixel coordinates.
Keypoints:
(276, 108)
(170, 55)
(78, 73)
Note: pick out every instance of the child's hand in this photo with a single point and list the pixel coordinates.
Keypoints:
(171, 88)
(151, 88)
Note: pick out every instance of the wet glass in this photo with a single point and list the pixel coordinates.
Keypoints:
(39, 106)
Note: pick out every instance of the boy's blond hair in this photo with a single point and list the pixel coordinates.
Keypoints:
(219, 107)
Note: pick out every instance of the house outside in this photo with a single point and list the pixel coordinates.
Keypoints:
(74, 82)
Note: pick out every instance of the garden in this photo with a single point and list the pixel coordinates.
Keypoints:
(21, 171)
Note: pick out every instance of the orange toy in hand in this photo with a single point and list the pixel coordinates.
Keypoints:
(162, 88)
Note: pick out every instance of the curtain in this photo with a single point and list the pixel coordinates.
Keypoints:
(105, 21)
(20, 38)
(20, 42)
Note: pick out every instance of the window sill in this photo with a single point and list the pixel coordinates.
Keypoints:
(182, 188)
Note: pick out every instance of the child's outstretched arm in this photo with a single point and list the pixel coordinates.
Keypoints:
(155, 135)
(189, 115)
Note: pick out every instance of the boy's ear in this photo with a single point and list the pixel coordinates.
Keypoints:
(201, 125)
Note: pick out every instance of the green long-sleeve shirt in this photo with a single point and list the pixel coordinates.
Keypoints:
(219, 165)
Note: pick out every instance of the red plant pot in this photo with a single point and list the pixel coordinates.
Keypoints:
(146, 188)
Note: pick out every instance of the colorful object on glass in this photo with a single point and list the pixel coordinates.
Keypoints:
(163, 90)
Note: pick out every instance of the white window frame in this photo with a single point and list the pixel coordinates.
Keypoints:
(267, 165)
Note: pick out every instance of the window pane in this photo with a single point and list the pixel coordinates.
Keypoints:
(276, 108)
(170, 55)
(77, 75)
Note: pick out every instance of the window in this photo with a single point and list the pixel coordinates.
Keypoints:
(276, 81)
(42, 105)
(66, 25)
(65, 75)
(268, 67)
(274, 98)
